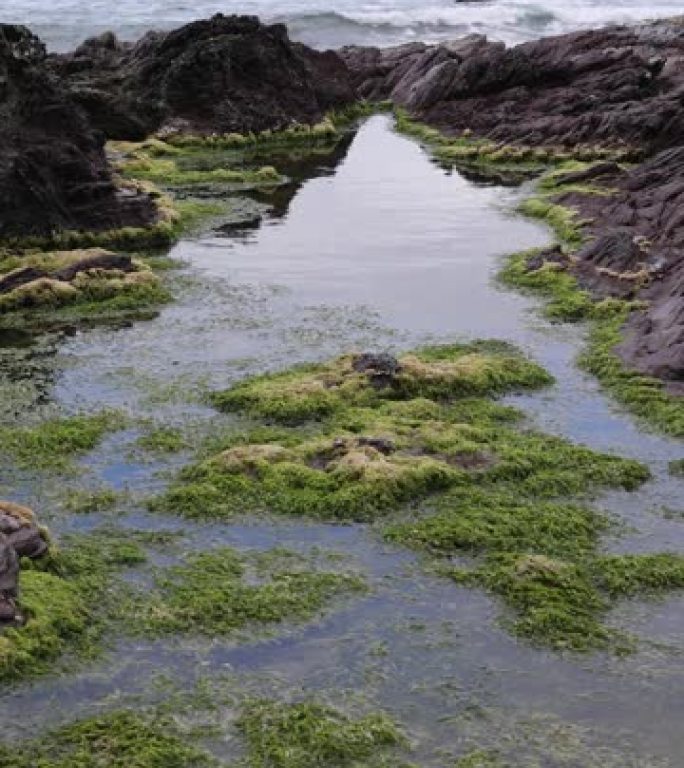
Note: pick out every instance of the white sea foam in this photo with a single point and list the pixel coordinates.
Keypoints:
(325, 23)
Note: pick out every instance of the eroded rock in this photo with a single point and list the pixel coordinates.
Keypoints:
(53, 171)
(614, 87)
(220, 75)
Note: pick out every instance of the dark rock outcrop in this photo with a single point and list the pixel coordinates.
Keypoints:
(613, 86)
(638, 249)
(221, 75)
(53, 170)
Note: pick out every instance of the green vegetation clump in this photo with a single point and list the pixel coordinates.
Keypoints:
(562, 219)
(315, 392)
(86, 501)
(92, 290)
(52, 444)
(309, 735)
(381, 445)
(151, 161)
(122, 739)
(676, 468)
(542, 557)
(162, 440)
(209, 595)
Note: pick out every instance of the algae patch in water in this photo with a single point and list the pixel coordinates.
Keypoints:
(276, 735)
(307, 735)
(383, 443)
(124, 739)
(402, 430)
(211, 595)
(54, 443)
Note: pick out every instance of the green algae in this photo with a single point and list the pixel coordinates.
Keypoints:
(124, 739)
(676, 468)
(379, 447)
(210, 595)
(54, 443)
(162, 440)
(562, 219)
(307, 735)
(84, 501)
(315, 392)
(276, 735)
(487, 157)
(543, 559)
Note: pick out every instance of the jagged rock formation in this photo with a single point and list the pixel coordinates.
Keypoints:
(53, 170)
(613, 86)
(638, 247)
(221, 75)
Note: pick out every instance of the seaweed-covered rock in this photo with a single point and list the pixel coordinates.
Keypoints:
(220, 75)
(53, 170)
(19, 537)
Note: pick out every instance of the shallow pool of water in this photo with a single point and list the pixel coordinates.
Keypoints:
(378, 248)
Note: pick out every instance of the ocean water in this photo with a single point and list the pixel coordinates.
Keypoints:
(326, 24)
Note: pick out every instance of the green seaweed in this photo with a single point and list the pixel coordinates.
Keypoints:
(318, 391)
(54, 443)
(124, 739)
(208, 595)
(308, 735)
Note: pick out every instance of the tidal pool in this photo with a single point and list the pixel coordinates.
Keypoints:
(373, 246)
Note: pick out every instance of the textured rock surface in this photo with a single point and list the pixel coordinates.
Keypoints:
(19, 537)
(639, 249)
(221, 75)
(620, 85)
(53, 171)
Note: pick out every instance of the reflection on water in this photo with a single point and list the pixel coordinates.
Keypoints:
(375, 246)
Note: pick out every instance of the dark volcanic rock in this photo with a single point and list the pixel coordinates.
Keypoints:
(53, 170)
(222, 75)
(613, 86)
(640, 239)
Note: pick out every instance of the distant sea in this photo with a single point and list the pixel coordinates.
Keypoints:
(329, 24)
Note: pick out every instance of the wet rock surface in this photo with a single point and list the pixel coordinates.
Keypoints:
(20, 536)
(221, 75)
(614, 86)
(53, 170)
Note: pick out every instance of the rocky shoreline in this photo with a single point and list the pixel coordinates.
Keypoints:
(606, 95)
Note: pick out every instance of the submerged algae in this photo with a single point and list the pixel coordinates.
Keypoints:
(276, 735)
(210, 595)
(54, 443)
(307, 735)
(124, 739)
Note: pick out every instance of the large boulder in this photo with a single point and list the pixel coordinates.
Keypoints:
(53, 170)
(221, 75)
(613, 86)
